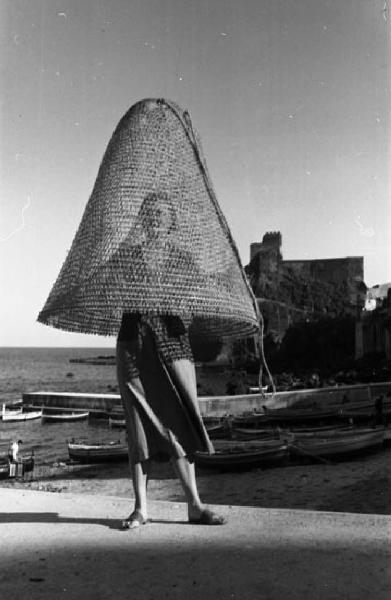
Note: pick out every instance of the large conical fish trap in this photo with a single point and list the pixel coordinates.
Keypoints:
(152, 238)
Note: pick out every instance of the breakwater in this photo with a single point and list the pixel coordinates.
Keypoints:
(106, 404)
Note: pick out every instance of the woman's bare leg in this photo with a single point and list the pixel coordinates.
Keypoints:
(186, 474)
(197, 511)
(140, 472)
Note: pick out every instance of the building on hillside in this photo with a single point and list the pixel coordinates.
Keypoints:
(291, 292)
(295, 290)
(347, 272)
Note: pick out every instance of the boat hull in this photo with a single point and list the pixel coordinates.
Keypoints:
(242, 458)
(97, 453)
(28, 416)
(65, 417)
(337, 445)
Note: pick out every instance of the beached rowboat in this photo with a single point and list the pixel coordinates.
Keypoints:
(22, 416)
(64, 417)
(251, 433)
(336, 430)
(98, 452)
(10, 411)
(236, 457)
(300, 414)
(365, 413)
(284, 415)
(338, 444)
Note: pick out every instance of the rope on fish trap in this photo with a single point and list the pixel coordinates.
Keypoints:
(153, 238)
(263, 362)
(197, 149)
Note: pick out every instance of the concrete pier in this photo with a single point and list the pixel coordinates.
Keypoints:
(104, 404)
(71, 546)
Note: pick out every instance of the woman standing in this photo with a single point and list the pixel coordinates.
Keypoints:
(154, 263)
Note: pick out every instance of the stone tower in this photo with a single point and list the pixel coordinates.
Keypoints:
(272, 240)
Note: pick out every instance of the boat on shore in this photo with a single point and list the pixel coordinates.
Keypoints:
(10, 412)
(326, 431)
(365, 413)
(53, 417)
(337, 444)
(10, 415)
(280, 415)
(240, 457)
(97, 452)
(284, 416)
(252, 433)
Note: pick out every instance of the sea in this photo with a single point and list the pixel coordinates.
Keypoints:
(25, 370)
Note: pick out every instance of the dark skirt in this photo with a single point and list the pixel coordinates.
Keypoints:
(159, 397)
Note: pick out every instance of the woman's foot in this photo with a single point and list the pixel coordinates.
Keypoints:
(205, 516)
(134, 520)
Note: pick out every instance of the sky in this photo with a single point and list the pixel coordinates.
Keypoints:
(290, 97)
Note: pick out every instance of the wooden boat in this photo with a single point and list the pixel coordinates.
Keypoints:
(10, 411)
(300, 414)
(22, 416)
(364, 413)
(299, 432)
(252, 433)
(98, 452)
(236, 456)
(250, 419)
(338, 444)
(64, 417)
(284, 415)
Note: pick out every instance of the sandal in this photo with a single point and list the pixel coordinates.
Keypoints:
(208, 517)
(134, 520)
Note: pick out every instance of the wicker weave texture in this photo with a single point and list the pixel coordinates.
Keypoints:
(152, 239)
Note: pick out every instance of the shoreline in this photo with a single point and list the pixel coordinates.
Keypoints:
(359, 485)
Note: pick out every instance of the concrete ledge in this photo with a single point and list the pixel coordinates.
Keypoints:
(218, 405)
(70, 545)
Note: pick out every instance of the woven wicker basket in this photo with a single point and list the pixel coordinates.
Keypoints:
(153, 238)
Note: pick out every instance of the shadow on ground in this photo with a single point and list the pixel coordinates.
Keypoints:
(158, 562)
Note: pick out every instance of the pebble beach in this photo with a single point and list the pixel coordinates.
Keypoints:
(360, 485)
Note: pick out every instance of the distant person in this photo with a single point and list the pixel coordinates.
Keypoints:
(13, 450)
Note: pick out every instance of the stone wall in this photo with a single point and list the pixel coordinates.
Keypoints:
(292, 293)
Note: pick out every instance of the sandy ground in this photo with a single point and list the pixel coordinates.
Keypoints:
(360, 485)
